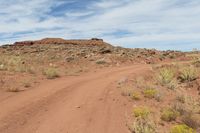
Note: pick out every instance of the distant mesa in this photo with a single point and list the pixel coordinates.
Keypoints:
(93, 41)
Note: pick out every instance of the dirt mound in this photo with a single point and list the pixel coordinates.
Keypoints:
(93, 41)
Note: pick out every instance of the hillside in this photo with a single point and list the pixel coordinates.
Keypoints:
(92, 82)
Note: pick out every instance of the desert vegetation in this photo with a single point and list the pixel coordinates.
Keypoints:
(171, 92)
(52, 58)
(165, 97)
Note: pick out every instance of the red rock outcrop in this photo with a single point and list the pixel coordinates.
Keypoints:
(93, 41)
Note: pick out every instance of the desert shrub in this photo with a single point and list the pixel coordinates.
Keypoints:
(196, 62)
(2, 67)
(51, 73)
(15, 64)
(21, 68)
(169, 114)
(179, 107)
(136, 96)
(141, 112)
(143, 126)
(150, 93)
(101, 61)
(172, 85)
(191, 120)
(188, 105)
(165, 76)
(188, 74)
(182, 129)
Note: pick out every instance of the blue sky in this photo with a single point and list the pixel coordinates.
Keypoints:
(160, 24)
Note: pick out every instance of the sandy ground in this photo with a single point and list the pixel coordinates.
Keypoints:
(89, 103)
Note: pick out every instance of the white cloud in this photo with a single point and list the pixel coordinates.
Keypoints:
(146, 22)
(78, 14)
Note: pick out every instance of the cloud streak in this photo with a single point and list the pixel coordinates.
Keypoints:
(161, 24)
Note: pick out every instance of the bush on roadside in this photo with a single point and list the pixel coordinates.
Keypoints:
(51, 73)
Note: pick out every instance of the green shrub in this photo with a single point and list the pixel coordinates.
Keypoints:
(141, 112)
(143, 126)
(169, 114)
(188, 74)
(182, 129)
(51, 73)
(136, 96)
(150, 93)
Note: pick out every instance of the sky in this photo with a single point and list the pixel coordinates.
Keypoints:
(160, 24)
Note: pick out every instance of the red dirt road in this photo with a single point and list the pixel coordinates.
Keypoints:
(84, 104)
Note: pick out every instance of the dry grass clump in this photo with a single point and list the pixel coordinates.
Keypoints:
(189, 109)
(179, 107)
(51, 73)
(142, 112)
(173, 84)
(192, 120)
(13, 89)
(186, 105)
(169, 114)
(167, 77)
(181, 98)
(142, 125)
(159, 96)
(15, 64)
(188, 74)
(196, 62)
(101, 62)
(182, 129)
(136, 96)
(150, 93)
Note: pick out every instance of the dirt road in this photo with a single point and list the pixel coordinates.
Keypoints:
(84, 104)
